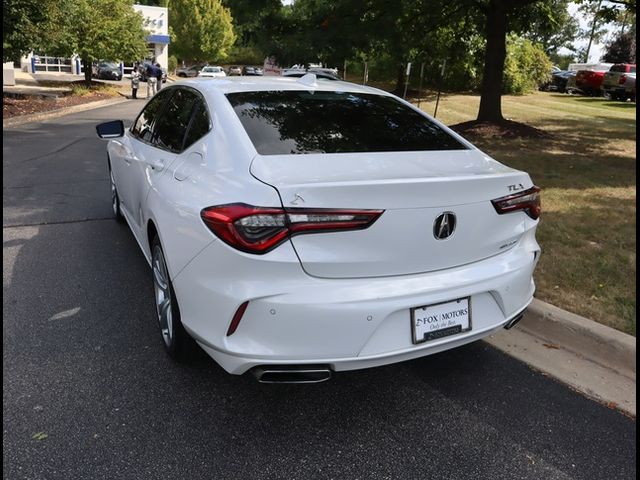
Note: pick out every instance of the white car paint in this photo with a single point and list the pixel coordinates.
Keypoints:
(212, 72)
(342, 299)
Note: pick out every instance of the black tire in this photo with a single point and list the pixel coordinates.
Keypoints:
(115, 198)
(177, 342)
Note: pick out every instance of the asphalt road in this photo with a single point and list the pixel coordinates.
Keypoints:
(88, 392)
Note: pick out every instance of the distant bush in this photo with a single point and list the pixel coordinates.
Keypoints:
(526, 67)
(172, 64)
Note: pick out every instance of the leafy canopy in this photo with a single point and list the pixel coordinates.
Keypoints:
(105, 29)
(202, 30)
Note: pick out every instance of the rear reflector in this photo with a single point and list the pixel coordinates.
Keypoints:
(235, 321)
(527, 201)
(261, 229)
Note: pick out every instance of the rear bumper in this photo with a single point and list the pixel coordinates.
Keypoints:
(617, 89)
(348, 324)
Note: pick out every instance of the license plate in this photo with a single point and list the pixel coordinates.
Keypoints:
(439, 320)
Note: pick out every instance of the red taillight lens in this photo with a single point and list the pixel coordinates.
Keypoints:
(261, 229)
(528, 201)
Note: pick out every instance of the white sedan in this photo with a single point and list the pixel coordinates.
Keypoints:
(297, 227)
(212, 72)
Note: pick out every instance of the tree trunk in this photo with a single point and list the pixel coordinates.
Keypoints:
(87, 71)
(496, 52)
(400, 80)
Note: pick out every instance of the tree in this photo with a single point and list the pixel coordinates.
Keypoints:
(503, 17)
(554, 28)
(202, 30)
(621, 49)
(94, 30)
(20, 26)
(601, 13)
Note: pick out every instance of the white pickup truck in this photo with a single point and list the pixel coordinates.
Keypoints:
(619, 83)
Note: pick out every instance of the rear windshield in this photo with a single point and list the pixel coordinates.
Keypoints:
(292, 122)
(623, 68)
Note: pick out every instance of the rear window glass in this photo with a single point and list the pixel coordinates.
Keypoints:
(295, 122)
(622, 68)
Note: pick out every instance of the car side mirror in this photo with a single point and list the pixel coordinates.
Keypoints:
(112, 129)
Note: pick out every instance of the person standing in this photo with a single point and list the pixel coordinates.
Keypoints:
(152, 80)
(159, 75)
(135, 81)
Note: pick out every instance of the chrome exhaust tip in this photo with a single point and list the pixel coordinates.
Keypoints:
(511, 323)
(291, 373)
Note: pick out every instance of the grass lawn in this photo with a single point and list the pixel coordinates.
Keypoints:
(587, 171)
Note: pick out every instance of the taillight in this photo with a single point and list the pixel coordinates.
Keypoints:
(623, 78)
(527, 200)
(261, 229)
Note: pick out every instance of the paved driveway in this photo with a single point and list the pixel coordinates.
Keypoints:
(88, 392)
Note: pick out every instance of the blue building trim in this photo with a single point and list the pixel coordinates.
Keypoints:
(164, 39)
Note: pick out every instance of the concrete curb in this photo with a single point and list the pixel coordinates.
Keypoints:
(595, 342)
(37, 117)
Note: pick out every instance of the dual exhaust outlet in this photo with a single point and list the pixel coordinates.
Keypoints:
(292, 373)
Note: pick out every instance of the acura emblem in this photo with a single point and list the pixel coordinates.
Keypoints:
(444, 225)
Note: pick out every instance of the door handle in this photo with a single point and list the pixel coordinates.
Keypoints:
(127, 159)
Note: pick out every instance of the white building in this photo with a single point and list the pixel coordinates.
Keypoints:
(157, 23)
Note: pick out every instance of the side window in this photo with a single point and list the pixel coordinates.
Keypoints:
(200, 125)
(143, 126)
(170, 129)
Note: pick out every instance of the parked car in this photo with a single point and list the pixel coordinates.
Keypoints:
(143, 72)
(235, 70)
(251, 71)
(589, 82)
(318, 229)
(558, 81)
(212, 72)
(570, 86)
(619, 82)
(550, 85)
(107, 71)
(191, 71)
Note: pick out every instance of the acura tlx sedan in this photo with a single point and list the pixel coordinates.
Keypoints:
(297, 227)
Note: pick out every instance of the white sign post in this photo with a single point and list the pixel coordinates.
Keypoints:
(406, 82)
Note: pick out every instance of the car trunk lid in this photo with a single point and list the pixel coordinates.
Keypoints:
(414, 189)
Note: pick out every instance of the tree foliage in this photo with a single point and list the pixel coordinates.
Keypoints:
(551, 25)
(202, 30)
(527, 66)
(21, 21)
(621, 49)
(94, 30)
